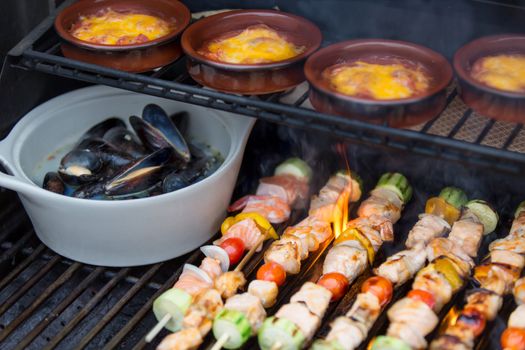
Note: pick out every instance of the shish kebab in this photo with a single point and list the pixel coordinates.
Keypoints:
(295, 323)
(308, 231)
(274, 197)
(496, 277)
(413, 317)
(244, 313)
(349, 331)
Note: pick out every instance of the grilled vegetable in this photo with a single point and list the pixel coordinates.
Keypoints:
(174, 302)
(438, 206)
(235, 325)
(280, 330)
(296, 167)
(227, 223)
(398, 184)
(234, 247)
(513, 339)
(380, 287)
(262, 223)
(446, 267)
(424, 296)
(272, 272)
(389, 343)
(454, 196)
(355, 235)
(218, 253)
(487, 216)
(336, 283)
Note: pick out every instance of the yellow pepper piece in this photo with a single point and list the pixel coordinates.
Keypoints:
(227, 223)
(261, 222)
(354, 234)
(438, 206)
(446, 267)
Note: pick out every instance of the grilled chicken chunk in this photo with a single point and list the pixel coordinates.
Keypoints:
(285, 254)
(376, 223)
(467, 235)
(402, 266)
(518, 226)
(186, 339)
(315, 297)
(513, 244)
(445, 247)
(250, 306)
(266, 291)
(348, 333)
(202, 311)
(426, 229)
(229, 283)
(302, 248)
(375, 205)
(507, 258)
(319, 229)
(406, 332)
(517, 317)
(299, 314)
(486, 302)
(304, 234)
(365, 310)
(448, 342)
(349, 261)
(415, 313)
(495, 278)
(435, 283)
(519, 291)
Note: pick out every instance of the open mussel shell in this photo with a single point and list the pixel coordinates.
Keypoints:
(98, 130)
(156, 130)
(92, 190)
(126, 141)
(53, 183)
(140, 175)
(194, 172)
(181, 121)
(80, 166)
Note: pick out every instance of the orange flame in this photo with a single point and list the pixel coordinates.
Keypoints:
(340, 216)
(450, 319)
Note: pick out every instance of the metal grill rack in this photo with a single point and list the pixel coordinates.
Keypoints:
(457, 134)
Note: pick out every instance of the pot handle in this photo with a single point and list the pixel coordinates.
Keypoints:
(9, 181)
(242, 125)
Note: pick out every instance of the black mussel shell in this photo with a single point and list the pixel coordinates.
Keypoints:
(156, 117)
(126, 141)
(140, 175)
(92, 190)
(98, 130)
(113, 157)
(181, 121)
(91, 144)
(175, 181)
(194, 172)
(53, 183)
(80, 166)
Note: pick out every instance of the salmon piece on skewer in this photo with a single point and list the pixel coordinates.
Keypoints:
(246, 230)
(192, 283)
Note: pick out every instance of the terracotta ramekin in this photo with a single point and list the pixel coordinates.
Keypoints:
(131, 58)
(249, 79)
(397, 113)
(491, 102)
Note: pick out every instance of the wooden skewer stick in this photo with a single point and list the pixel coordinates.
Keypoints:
(250, 253)
(220, 342)
(158, 327)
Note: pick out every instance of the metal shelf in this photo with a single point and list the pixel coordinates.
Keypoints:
(457, 134)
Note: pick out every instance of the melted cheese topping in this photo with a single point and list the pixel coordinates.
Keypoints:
(115, 28)
(504, 72)
(377, 81)
(255, 44)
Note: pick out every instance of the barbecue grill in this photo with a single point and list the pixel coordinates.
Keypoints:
(48, 301)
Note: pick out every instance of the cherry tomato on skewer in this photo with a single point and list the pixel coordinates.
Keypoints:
(272, 272)
(380, 287)
(235, 248)
(513, 339)
(423, 296)
(336, 283)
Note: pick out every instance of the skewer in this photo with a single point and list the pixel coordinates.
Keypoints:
(220, 342)
(160, 324)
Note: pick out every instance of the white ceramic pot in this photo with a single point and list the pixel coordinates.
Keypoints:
(128, 232)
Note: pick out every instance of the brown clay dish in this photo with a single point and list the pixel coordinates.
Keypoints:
(131, 58)
(488, 101)
(398, 112)
(249, 79)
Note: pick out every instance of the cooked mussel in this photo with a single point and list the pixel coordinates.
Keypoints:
(98, 130)
(194, 172)
(126, 141)
(181, 121)
(80, 166)
(140, 175)
(157, 130)
(53, 183)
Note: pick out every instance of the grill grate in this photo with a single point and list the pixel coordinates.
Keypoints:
(457, 134)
